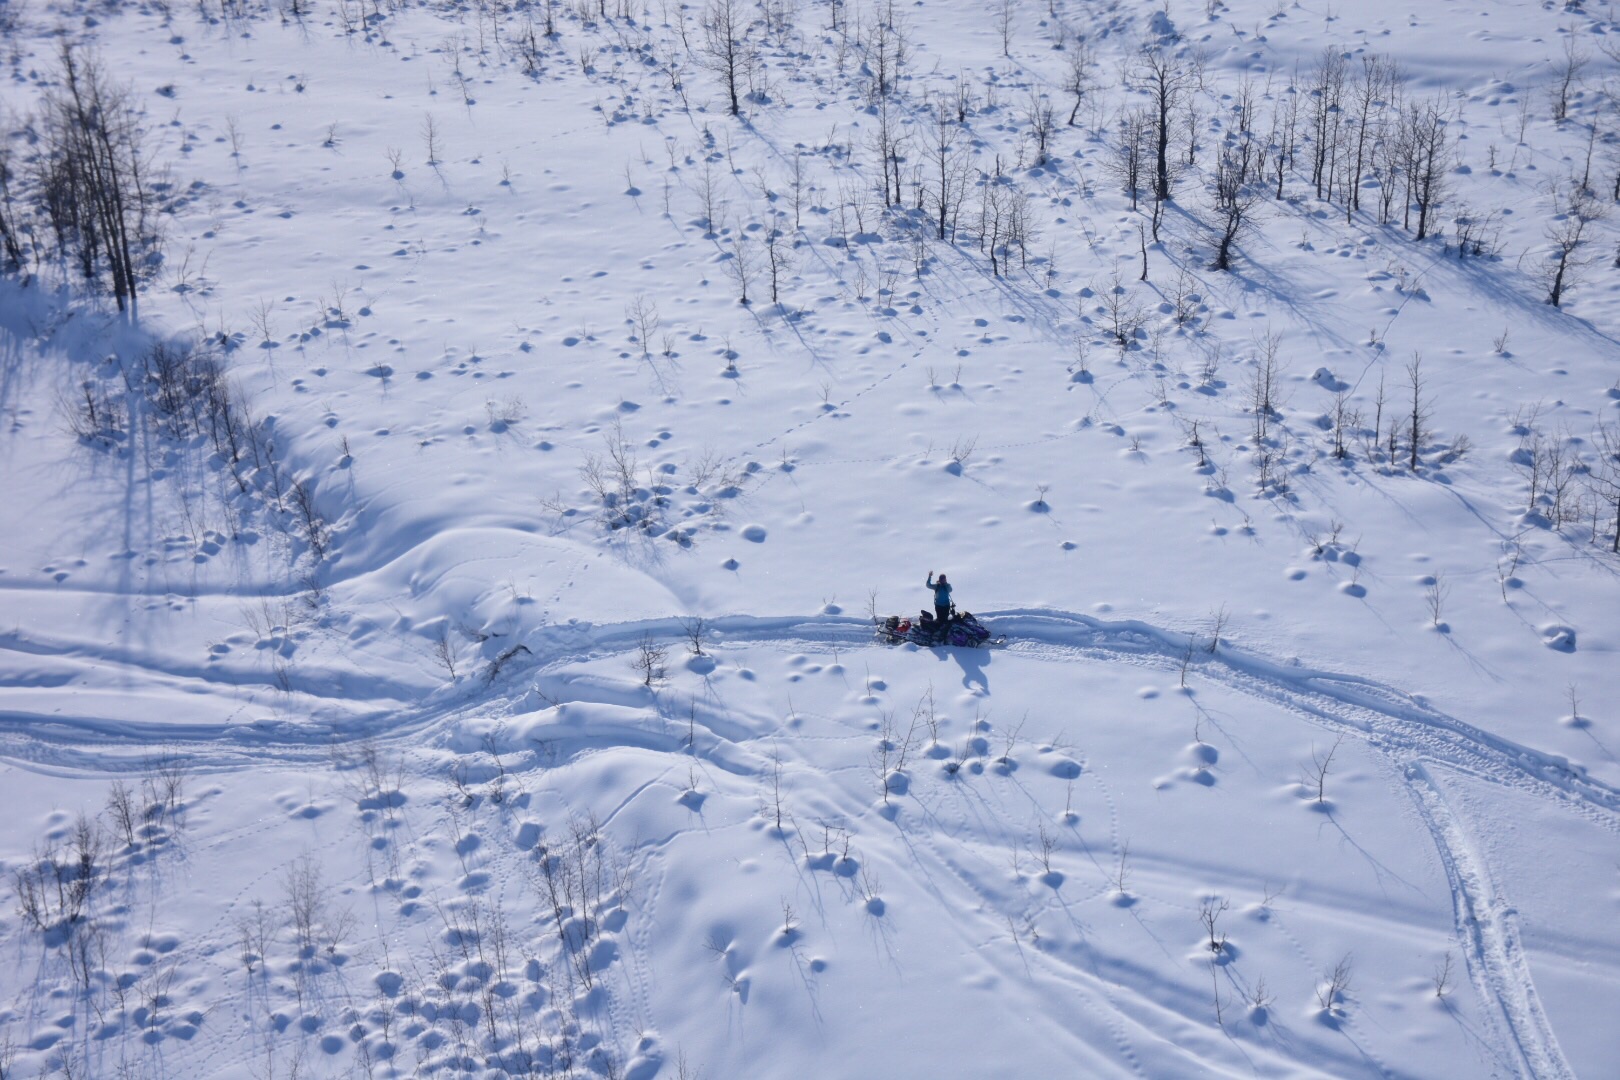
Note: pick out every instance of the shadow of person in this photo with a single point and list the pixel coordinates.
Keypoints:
(972, 661)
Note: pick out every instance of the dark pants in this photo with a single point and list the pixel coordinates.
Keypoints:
(942, 613)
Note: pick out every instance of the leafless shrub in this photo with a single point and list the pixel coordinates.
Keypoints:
(125, 817)
(695, 629)
(1046, 843)
(1009, 739)
(776, 785)
(889, 756)
(1604, 479)
(317, 533)
(649, 660)
(1122, 869)
(1316, 775)
(1260, 998)
(504, 412)
(1418, 417)
(336, 928)
(1122, 314)
(1217, 626)
(642, 316)
(579, 886)
(611, 476)
(1434, 598)
(93, 413)
(306, 897)
(253, 934)
(1209, 913)
(1567, 77)
(962, 449)
(164, 785)
(1265, 385)
(869, 884)
(1442, 977)
(55, 886)
(464, 794)
(1331, 992)
(504, 657)
(444, 650)
(430, 140)
(924, 711)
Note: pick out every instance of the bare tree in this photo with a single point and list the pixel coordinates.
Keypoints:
(1324, 98)
(1426, 146)
(950, 171)
(1344, 420)
(1166, 77)
(14, 227)
(642, 316)
(1567, 74)
(306, 897)
(1574, 209)
(1235, 203)
(1128, 162)
(93, 180)
(1317, 775)
(1284, 136)
(1330, 992)
(1209, 914)
(126, 818)
(713, 203)
(1418, 418)
(996, 208)
(694, 630)
(727, 48)
(1376, 85)
(650, 659)
(779, 258)
(1265, 385)
(1122, 314)
(1039, 115)
(1077, 77)
(430, 140)
(741, 263)
(1003, 15)
(1605, 478)
(888, 143)
(1442, 977)
(886, 51)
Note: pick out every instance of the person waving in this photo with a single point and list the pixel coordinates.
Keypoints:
(942, 600)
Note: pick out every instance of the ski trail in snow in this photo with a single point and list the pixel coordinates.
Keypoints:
(1488, 925)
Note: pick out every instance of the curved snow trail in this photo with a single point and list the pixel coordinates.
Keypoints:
(1382, 716)
(1487, 925)
(1410, 735)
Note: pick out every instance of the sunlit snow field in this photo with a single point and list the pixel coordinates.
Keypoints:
(559, 744)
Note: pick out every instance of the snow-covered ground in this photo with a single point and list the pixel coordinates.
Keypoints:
(513, 707)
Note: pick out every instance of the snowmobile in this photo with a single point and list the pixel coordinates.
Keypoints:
(960, 629)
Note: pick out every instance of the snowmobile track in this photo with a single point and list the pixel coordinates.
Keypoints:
(1410, 735)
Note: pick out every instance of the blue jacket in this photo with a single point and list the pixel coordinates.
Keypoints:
(942, 592)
